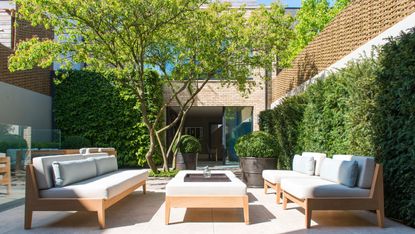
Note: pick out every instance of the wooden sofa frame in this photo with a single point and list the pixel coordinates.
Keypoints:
(207, 201)
(373, 202)
(36, 203)
(6, 173)
(276, 187)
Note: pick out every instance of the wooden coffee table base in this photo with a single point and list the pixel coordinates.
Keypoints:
(207, 202)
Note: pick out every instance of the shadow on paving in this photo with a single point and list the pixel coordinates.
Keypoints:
(134, 209)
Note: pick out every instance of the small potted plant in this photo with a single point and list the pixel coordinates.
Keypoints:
(257, 151)
(189, 147)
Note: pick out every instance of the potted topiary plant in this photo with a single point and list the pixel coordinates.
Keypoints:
(257, 151)
(189, 147)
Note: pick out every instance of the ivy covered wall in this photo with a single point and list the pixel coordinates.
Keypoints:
(87, 104)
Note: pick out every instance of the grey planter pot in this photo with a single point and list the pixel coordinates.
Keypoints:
(186, 161)
(252, 170)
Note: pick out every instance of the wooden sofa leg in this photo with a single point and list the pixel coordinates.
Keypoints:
(101, 216)
(265, 187)
(28, 213)
(167, 211)
(144, 188)
(285, 201)
(278, 186)
(308, 213)
(380, 213)
(246, 209)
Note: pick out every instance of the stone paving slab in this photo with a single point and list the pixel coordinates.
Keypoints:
(140, 213)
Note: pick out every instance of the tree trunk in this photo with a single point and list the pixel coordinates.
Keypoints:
(149, 154)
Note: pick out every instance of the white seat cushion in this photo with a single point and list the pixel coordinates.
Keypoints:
(177, 186)
(315, 187)
(105, 186)
(275, 176)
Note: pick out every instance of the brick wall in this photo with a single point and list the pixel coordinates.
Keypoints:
(361, 21)
(38, 80)
(213, 94)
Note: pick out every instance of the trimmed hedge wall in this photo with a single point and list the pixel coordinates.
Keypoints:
(87, 104)
(367, 108)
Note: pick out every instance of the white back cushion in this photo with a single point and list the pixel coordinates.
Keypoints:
(366, 167)
(296, 162)
(105, 164)
(303, 164)
(330, 170)
(318, 158)
(44, 171)
(346, 157)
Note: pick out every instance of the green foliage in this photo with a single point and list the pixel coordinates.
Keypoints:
(256, 144)
(394, 125)
(366, 108)
(189, 144)
(283, 123)
(75, 142)
(171, 173)
(311, 19)
(11, 142)
(339, 112)
(87, 104)
(184, 41)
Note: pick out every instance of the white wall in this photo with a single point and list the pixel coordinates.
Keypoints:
(24, 107)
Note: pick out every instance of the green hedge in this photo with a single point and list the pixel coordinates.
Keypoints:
(394, 125)
(367, 108)
(287, 116)
(88, 105)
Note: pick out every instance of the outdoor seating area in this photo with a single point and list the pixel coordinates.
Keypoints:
(89, 181)
(207, 116)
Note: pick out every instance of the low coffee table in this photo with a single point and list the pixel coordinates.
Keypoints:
(189, 189)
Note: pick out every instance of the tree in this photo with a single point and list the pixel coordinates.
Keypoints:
(311, 19)
(186, 43)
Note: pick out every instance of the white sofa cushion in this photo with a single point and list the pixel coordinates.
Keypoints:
(105, 164)
(275, 176)
(318, 157)
(315, 187)
(366, 166)
(330, 170)
(340, 171)
(43, 168)
(105, 186)
(69, 172)
(177, 186)
(303, 164)
(297, 163)
(346, 157)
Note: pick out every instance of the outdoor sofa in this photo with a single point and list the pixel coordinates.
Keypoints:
(303, 166)
(345, 182)
(78, 182)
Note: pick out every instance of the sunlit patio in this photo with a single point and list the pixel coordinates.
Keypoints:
(140, 213)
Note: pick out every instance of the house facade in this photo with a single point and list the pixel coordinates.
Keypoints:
(25, 96)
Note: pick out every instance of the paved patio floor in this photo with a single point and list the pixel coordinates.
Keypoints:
(140, 213)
